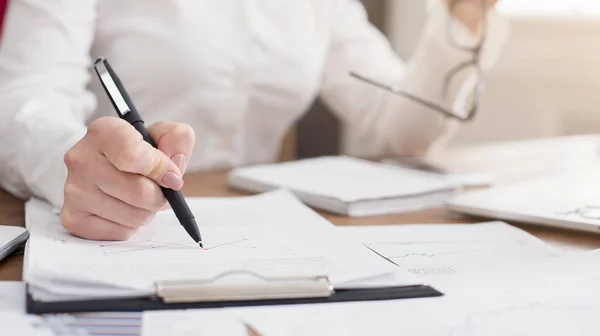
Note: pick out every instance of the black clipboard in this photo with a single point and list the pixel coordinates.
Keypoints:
(143, 304)
(213, 293)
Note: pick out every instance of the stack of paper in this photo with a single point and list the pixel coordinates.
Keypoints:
(348, 186)
(272, 235)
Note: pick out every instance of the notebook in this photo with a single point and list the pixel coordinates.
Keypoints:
(348, 186)
(264, 247)
(568, 201)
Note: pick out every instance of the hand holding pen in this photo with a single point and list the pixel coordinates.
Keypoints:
(115, 176)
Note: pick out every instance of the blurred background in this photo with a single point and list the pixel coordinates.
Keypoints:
(547, 82)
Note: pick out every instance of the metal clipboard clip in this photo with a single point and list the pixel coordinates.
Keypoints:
(262, 288)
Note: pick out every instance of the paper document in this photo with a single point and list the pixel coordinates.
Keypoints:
(442, 250)
(344, 178)
(347, 185)
(540, 275)
(271, 234)
(556, 296)
(192, 322)
(381, 318)
(564, 310)
(465, 179)
(12, 296)
(553, 296)
(13, 323)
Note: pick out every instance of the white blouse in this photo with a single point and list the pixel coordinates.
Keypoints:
(240, 72)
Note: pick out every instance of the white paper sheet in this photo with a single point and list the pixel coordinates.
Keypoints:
(344, 178)
(192, 323)
(433, 251)
(556, 296)
(541, 313)
(542, 275)
(12, 296)
(14, 323)
(271, 234)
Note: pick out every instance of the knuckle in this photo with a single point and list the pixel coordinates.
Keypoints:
(146, 194)
(184, 132)
(122, 233)
(111, 129)
(164, 205)
(158, 165)
(68, 219)
(74, 158)
(71, 190)
(161, 124)
(143, 217)
(99, 127)
(128, 156)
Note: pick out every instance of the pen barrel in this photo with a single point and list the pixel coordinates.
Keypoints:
(182, 212)
(140, 127)
(174, 197)
(179, 205)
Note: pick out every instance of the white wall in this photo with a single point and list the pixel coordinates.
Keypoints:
(547, 82)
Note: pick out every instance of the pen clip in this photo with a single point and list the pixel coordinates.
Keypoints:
(105, 74)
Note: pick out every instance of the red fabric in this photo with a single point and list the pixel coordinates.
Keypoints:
(3, 5)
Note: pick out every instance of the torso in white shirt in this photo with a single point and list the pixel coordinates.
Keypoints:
(240, 72)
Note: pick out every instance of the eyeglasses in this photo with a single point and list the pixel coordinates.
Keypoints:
(472, 64)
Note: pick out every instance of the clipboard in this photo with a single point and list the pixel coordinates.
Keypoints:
(209, 293)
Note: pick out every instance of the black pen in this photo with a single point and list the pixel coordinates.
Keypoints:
(126, 110)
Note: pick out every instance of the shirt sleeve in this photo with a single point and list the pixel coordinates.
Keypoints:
(395, 125)
(44, 103)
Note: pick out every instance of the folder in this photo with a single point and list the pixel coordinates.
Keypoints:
(210, 294)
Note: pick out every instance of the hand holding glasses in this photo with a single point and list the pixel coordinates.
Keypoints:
(472, 63)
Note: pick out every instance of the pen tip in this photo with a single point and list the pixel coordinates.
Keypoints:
(200, 243)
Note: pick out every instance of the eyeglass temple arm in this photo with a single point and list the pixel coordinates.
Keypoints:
(414, 98)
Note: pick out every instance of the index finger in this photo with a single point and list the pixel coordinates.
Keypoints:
(125, 148)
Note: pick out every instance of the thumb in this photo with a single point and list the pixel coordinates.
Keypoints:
(176, 140)
(163, 170)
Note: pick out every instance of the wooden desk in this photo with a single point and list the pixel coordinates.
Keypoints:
(509, 161)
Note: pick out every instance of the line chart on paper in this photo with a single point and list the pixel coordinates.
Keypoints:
(137, 246)
(449, 258)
